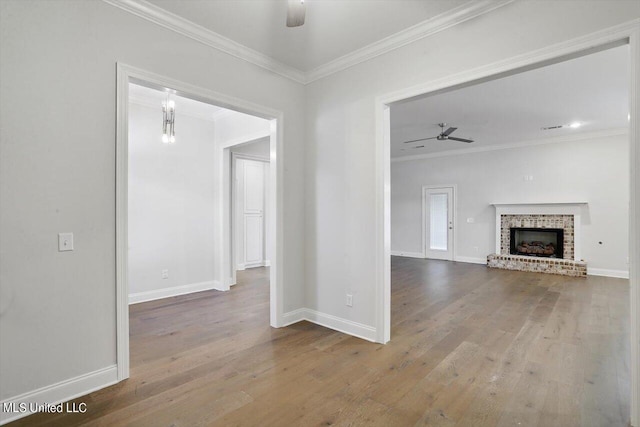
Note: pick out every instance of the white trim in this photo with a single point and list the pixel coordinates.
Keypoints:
(332, 322)
(409, 35)
(182, 26)
(383, 221)
(620, 274)
(616, 35)
(407, 254)
(244, 139)
(634, 215)
(470, 260)
(456, 258)
(62, 391)
(539, 205)
(253, 265)
(126, 74)
(122, 220)
(531, 143)
(144, 102)
(253, 157)
(173, 291)
(294, 316)
(342, 325)
(426, 28)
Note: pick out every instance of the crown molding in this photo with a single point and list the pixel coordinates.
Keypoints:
(176, 23)
(173, 22)
(543, 141)
(416, 32)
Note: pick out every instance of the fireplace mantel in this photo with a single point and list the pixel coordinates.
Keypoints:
(542, 204)
(543, 208)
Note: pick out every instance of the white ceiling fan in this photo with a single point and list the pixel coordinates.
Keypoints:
(295, 13)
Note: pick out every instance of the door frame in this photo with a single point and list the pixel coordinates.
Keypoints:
(454, 194)
(128, 74)
(626, 33)
(233, 205)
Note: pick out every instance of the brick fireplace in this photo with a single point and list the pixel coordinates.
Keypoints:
(545, 255)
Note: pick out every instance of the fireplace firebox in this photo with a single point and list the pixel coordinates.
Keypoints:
(537, 242)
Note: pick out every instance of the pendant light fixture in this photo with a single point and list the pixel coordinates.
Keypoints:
(168, 121)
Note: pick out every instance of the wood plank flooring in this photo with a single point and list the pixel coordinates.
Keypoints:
(471, 346)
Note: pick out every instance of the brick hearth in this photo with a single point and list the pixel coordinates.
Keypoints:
(565, 267)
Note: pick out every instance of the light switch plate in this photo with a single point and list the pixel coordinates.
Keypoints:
(65, 242)
(349, 300)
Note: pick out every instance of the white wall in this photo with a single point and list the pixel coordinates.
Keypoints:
(57, 174)
(259, 148)
(594, 170)
(233, 128)
(340, 162)
(172, 207)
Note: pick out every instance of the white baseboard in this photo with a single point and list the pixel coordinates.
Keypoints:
(174, 291)
(294, 316)
(59, 392)
(408, 254)
(242, 267)
(343, 325)
(621, 274)
(332, 322)
(256, 264)
(470, 260)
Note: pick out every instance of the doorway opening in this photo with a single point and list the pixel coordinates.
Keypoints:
(438, 213)
(624, 134)
(250, 234)
(173, 196)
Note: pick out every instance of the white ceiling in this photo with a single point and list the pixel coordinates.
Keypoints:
(592, 90)
(332, 28)
(154, 98)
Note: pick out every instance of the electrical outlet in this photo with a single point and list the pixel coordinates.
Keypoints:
(475, 248)
(164, 274)
(65, 242)
(349, 300)
(470, 220)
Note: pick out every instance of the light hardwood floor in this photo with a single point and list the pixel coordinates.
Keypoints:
(471, 346)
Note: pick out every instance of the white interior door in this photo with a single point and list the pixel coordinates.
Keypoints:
(438, 222)
(251, 209)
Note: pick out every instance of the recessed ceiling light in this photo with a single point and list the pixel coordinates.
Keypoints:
(575, 125)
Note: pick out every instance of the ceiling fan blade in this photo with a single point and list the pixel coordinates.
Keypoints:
(448, 131)
(421, 139)
(295, 13)
(453, 138)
